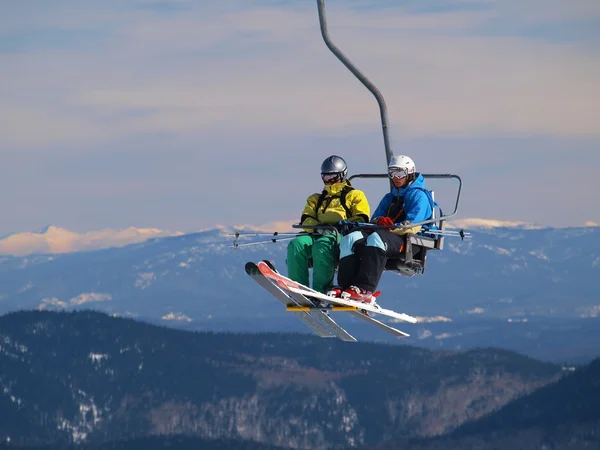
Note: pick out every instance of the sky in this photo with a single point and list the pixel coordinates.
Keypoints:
(183, 115)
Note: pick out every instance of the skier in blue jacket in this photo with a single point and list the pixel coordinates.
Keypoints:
(363, 254)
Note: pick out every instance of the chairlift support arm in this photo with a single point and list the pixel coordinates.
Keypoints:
(383, 113)
(361, 77)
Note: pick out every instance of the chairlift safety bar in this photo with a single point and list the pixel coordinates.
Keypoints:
(426, 176)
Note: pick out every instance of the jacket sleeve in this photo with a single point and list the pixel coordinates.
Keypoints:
(359, 206)
(417, 207)
(383, 206)
(309, 214)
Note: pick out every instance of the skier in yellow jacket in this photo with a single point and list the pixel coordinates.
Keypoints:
(339, 201)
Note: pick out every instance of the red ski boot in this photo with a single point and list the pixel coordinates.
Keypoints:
(335, 291)
(358, 294)
(361, 295)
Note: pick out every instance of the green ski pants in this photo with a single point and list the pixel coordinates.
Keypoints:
(323, 250)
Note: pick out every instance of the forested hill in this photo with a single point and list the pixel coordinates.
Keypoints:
(87, 377)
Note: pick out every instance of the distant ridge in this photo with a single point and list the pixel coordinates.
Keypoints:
(121, 379)
(52, 239)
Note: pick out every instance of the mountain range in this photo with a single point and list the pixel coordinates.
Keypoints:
(532, 290)
(90, 379)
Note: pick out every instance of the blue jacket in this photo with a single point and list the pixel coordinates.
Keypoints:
(418, 203)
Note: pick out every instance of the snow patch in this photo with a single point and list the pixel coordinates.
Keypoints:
(60, 240)
(476, 311)
(98, 357)
(88, 297)
(460, 249)
(144, 280)
(421, 319)
(499, 250)
(592, 311)
(83, 424)
(84, 297)
(425, 334)
(539, 254)
(179, 317)
(447, 335)
(8, 347)
(507, 270)
(25, 288)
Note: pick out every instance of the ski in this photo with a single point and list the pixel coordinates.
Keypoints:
(291, 286)
(318, 321)
(279, 294)
(319, 314)
(379, 324)
(268, 268)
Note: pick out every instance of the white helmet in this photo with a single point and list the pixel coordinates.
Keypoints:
(402, 162)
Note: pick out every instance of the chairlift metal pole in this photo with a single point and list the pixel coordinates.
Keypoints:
(361, 77)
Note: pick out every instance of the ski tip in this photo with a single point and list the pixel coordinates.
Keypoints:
(270, 264)
(251, 268)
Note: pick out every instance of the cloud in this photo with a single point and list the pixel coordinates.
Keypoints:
(266, 68)
(60, 240)
(137, 110)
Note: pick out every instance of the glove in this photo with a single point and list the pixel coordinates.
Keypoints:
(385, 222)
(403, 231)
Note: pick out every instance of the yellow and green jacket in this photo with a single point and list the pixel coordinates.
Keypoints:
(338, 201)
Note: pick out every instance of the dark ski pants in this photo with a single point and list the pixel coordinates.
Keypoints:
(363, 256)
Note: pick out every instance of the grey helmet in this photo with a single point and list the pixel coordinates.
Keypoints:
(334, 165)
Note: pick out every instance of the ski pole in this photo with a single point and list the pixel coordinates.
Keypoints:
(448, 232)
(236, 245)
(275, 233)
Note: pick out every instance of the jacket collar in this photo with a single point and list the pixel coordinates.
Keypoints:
(336, 188)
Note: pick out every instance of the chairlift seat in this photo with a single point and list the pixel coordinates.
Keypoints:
(414, 258)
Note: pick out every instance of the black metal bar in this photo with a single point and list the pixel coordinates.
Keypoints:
(425, 175)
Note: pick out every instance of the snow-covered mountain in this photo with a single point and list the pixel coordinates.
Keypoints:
(515, 275)
(54, 239)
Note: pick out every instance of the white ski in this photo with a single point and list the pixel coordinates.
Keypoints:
(317, 319)
(294, 287)
(340, 301)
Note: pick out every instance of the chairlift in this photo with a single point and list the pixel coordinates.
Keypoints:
(414, 259)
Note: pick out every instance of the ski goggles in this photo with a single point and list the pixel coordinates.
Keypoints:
(397, 173)
(329, 177)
